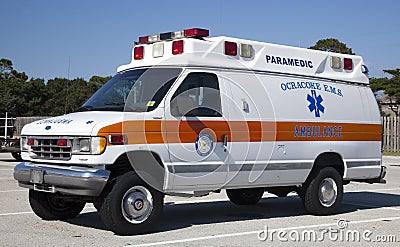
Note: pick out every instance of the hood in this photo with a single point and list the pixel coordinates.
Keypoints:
(78, 123)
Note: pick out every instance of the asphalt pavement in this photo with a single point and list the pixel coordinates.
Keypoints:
(370, 216)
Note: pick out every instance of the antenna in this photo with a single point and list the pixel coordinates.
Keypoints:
(66, 93)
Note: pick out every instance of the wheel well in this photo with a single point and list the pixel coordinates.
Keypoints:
(329, 159)
(134, 161)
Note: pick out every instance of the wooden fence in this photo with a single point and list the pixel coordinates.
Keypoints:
(21, 121)
(391, 135)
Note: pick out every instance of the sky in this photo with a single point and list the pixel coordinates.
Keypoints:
(82, 38)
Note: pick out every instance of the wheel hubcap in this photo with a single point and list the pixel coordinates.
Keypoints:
(327, 192)
(137, 204)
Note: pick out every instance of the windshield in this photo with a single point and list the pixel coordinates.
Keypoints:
(135, 90)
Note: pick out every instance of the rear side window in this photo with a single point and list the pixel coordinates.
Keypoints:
(198, 95)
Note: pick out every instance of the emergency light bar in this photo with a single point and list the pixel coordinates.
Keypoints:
(230, 48)
(187, 33)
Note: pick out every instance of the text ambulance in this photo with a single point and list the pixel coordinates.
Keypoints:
(192, 115)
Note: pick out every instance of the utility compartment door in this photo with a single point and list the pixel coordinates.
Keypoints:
(196, 128)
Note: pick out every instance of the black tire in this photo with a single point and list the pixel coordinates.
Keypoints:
(97, 204)
(314, 201)
(245, 196)
(117, 212)
(49, 206)
(16, 156)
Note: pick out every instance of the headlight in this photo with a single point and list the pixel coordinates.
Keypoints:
(89, 145)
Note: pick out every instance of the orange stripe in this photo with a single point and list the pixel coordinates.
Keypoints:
(158, 131)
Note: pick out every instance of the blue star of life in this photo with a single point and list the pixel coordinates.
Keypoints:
(315, 103)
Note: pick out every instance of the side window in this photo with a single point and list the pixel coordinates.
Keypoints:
(198, 95)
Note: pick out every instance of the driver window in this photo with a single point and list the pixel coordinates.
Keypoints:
(198, 95)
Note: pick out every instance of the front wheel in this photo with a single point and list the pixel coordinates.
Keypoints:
(131, 206)
(323, 194)
(245, 196)
(54, 207)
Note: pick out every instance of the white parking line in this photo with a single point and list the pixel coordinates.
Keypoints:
(18, 213)
(7, 191)
(372, 190)
(178, 241)
(387, 189)
(370, 206)
(6, 169)
(11, 165)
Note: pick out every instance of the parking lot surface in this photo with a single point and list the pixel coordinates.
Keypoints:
(370, 216)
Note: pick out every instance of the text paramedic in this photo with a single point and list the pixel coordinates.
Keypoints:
(289, 61)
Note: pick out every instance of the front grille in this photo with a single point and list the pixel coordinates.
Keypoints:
(47, 148)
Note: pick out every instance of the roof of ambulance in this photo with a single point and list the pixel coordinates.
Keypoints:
(265, 57)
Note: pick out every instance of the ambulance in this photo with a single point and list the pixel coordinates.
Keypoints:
(191, 115)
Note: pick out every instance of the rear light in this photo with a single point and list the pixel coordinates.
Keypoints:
(62, 142)
(348, 64)
(138, 52)
(30, 142)
(196, 32)
(230, 48)
(117, 139)
(177, 47)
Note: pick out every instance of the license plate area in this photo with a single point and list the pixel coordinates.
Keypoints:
(44, 188)
(36, 176)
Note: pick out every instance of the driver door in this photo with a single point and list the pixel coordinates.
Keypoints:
(196, 132)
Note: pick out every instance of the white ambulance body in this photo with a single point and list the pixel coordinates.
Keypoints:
(192, 115)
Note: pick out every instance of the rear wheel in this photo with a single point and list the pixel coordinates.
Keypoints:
(323, 193)
(131, 206)
(245, 196)
(53, 207)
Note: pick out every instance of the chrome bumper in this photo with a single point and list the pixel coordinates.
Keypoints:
(71, 180)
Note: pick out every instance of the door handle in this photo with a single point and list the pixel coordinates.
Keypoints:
(225, 140)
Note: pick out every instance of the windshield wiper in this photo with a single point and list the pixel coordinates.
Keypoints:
(115, 103)
(86, 108)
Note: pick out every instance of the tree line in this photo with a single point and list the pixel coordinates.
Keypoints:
(21, 97)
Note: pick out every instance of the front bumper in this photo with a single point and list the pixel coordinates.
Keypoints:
(72, 180)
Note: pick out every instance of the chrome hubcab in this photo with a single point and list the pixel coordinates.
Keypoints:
(327, 192)
(137, 204)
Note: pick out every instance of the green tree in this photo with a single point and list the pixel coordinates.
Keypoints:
(391, 86)
(12, 85)
(20, 97)
(332, 45)
(7, 72)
